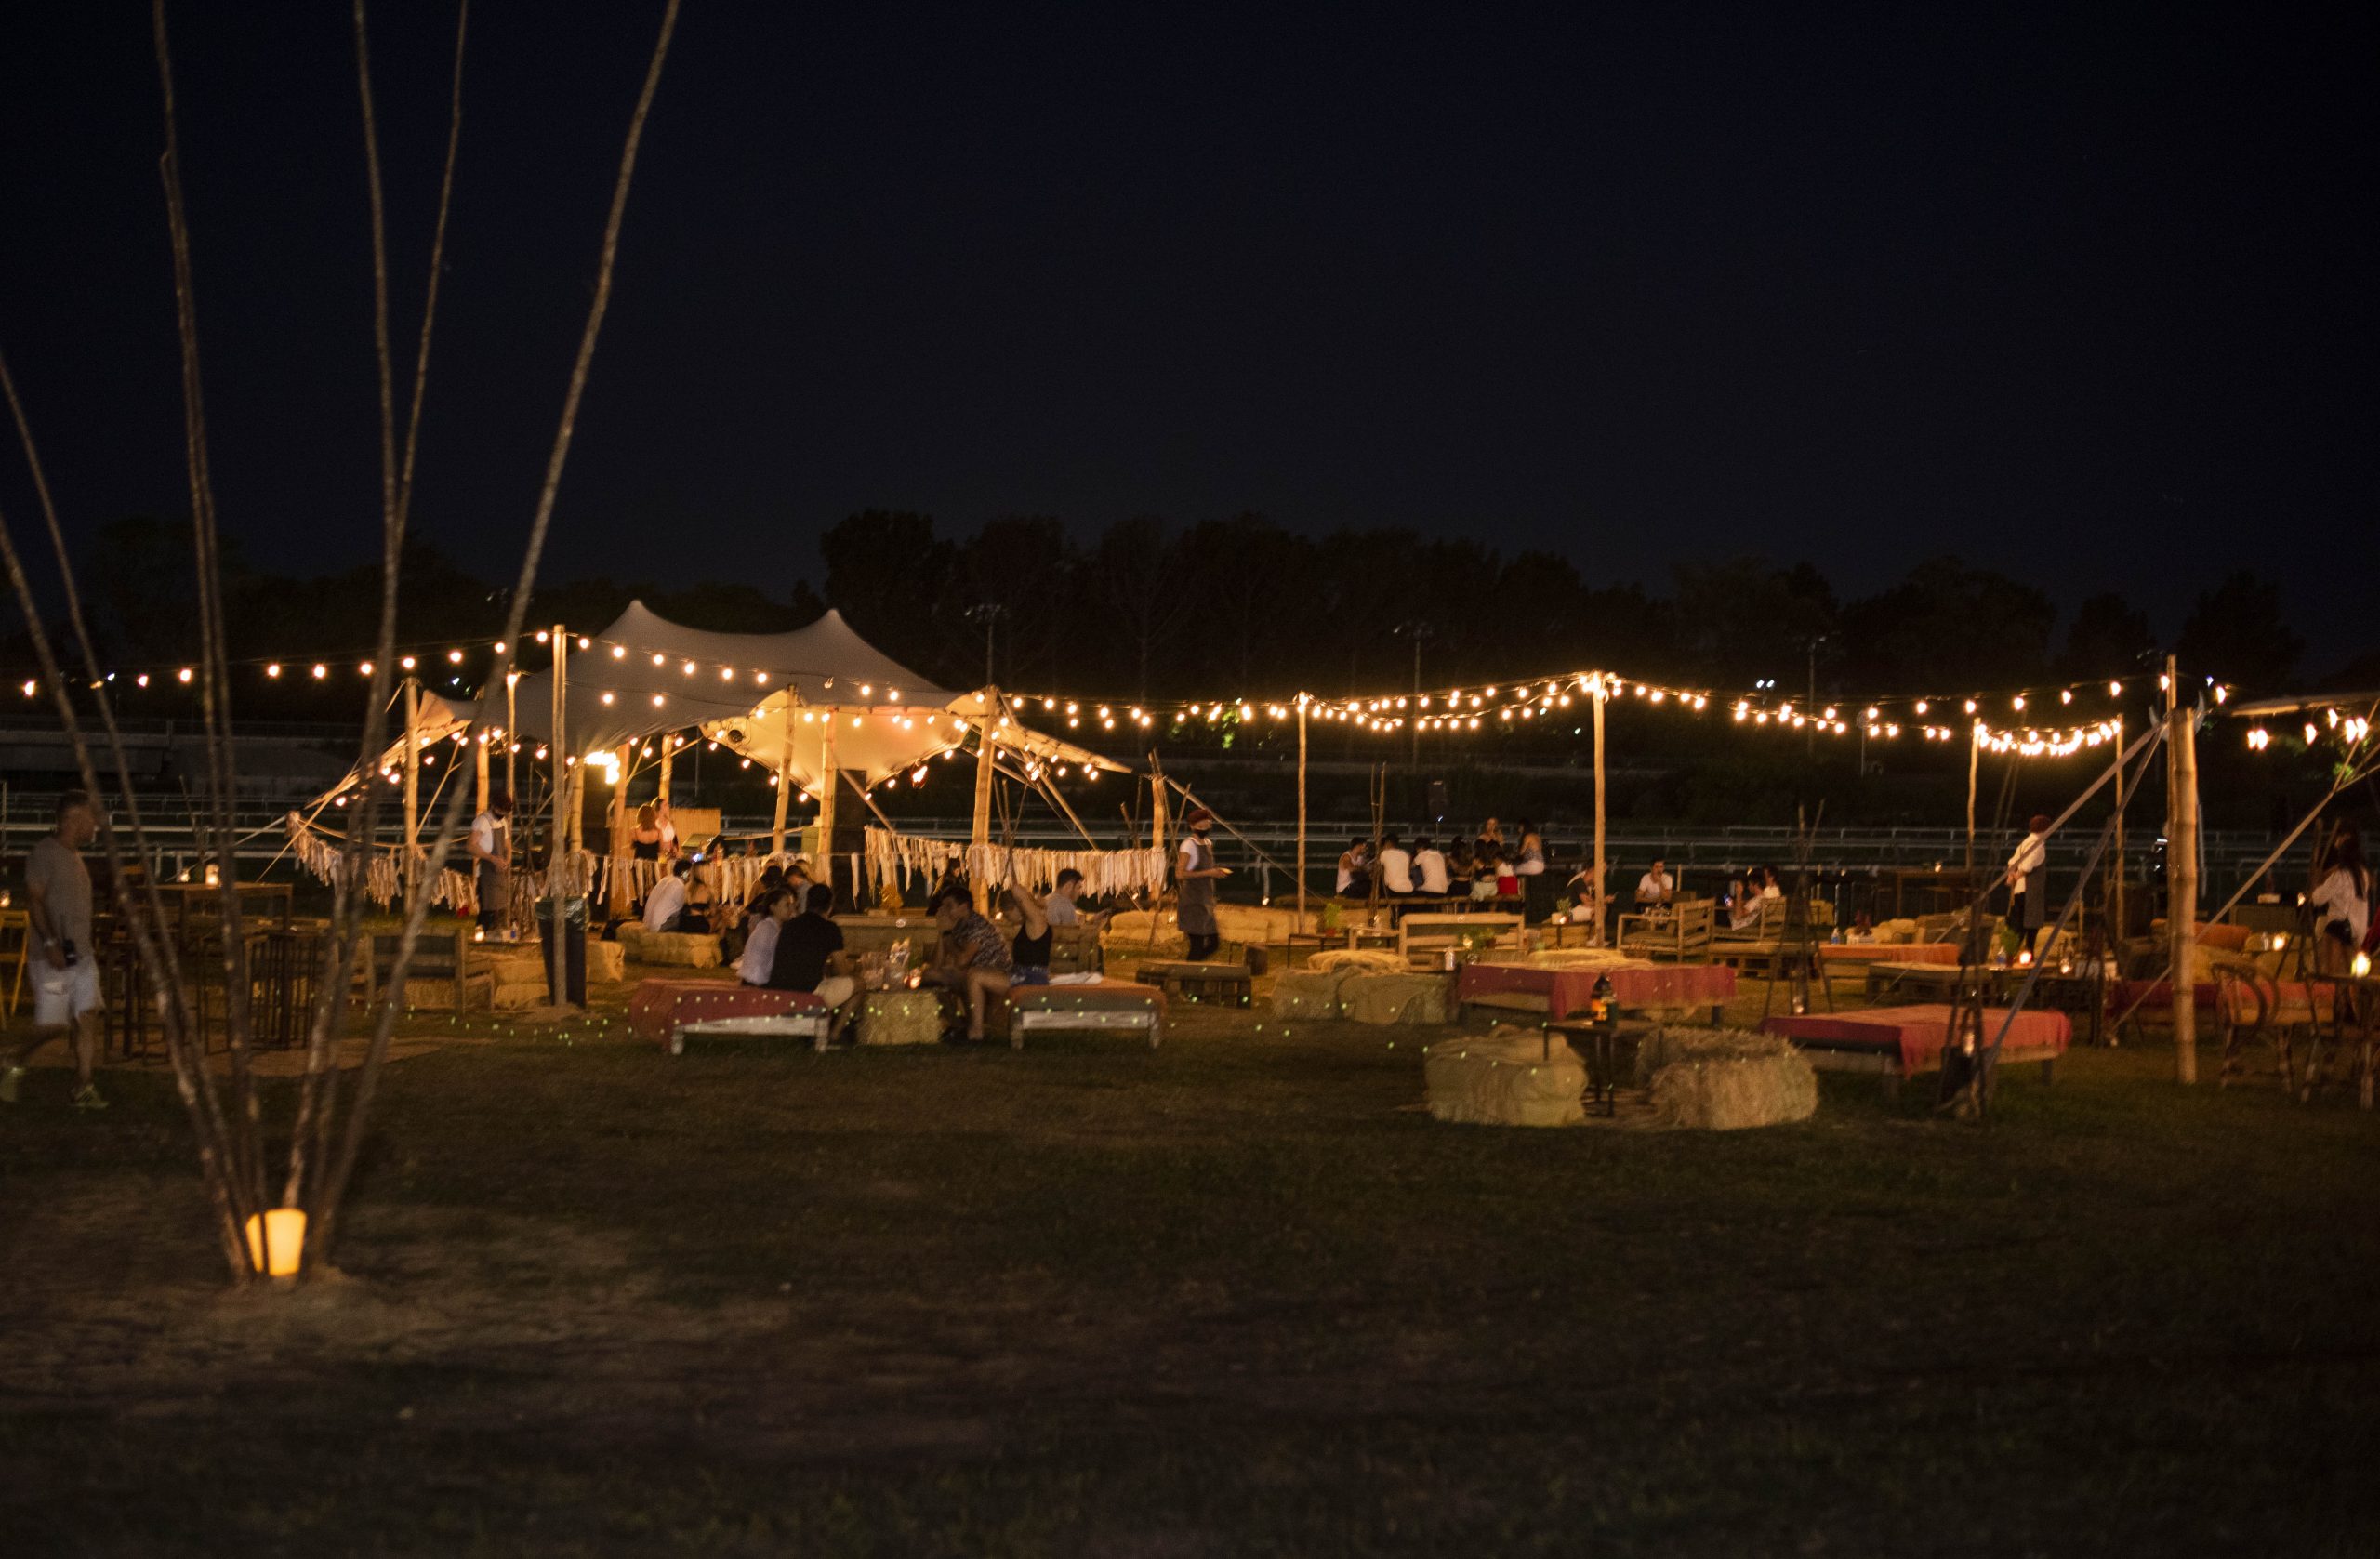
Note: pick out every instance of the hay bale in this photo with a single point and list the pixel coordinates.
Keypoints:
(1724, 1079)
(609, 960)
(513, 994)
(1509, 1077)
(1574, 958)
(1903, 930)
(675, 949)
(1307, 993)
(1256, 925)
(899, 1018)
(1395, 998)
(1357, 961)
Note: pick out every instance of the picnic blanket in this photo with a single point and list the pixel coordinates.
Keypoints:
(1634, 983)
(1917, 1034)
(661, 1003)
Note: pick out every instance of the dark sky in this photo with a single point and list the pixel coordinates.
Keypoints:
(2085, 291)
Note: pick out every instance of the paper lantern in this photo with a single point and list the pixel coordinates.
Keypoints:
(276, 1241)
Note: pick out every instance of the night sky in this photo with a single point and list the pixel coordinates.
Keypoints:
(2085, 293)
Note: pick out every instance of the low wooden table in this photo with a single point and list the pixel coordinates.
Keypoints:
(1227, 984)
(1598, 1045)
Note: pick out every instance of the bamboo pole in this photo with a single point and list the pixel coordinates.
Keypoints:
(617, 819)
(1602, 917)
(1156, 838)
(784, 783)
(668, 761)
(1302, 703)
(979, 837)
(829, 790)
(412, 875)
(2115, 894)
(557, 848)
(478, 773)
(1975, 761)
(2181, 869)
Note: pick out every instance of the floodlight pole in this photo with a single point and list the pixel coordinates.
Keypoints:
(1601, 683)
(1302, 703)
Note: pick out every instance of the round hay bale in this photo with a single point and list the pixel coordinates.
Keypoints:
(1508, 1076)
(1395, 998)
(1357, 961)
(1725, 1079)
(1307, 993)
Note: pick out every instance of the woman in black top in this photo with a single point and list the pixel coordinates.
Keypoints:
(1030, 950)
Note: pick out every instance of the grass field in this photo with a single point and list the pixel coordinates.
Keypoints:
(1234, 1297)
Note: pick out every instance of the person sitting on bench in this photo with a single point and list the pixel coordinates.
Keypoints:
(972, 961)
(665, 907)
(809, 956)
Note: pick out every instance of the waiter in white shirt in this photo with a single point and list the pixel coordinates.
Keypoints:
(2028, 883)
(491, 846)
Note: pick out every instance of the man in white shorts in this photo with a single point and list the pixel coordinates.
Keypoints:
(60, 963)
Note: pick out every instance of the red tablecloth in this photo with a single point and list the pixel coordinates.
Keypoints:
(1633, 984)
(661, 1003)
(1919, 1033)
(1889, 952)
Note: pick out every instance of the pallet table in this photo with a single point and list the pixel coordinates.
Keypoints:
(1223, 984)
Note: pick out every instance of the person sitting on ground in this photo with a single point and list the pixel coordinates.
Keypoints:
(972, 960)
(665, 907)
(1656, 888)
(1430, 869)
(809, 956)
(758, 963)
(1530, 861)
(1395, 867)
(1355, 866)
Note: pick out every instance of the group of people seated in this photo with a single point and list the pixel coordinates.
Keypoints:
(1482, 869)
(791, 942)
(1658, 889)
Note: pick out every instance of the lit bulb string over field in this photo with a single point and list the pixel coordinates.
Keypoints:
(2007, 721)
(1542, 702)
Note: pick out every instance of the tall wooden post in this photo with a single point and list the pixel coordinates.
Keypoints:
(479, 772)
(1301, 703)
(1602, 917)
(411, 876)
(784, 782)
(2115, 890)
(558, 847)
(980, 835)
(512, 731)
(829, 789)
(1975, 761)
(616, 817)
(1157, 838)
(668, 761)
(2181, 869)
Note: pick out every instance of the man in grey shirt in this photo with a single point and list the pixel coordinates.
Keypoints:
(59, 964)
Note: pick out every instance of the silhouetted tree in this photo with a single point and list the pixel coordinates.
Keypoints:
(2237, 630)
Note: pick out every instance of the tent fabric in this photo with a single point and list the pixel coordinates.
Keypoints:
(875, 742)
(642, 661)
(442, 721)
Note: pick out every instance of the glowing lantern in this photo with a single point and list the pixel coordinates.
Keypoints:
(276, 1240)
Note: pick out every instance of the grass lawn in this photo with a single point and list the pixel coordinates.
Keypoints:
(1235, 1296)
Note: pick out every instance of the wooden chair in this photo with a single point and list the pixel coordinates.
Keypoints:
(1679, 929)
(1425, 937)
(439, 958)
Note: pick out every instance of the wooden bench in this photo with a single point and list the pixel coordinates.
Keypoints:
(1426, 937)
(1679, 929)
(1228, 985)
(1110, 1007)
(438, 958)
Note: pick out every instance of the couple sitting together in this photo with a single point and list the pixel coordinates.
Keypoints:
(802, 950)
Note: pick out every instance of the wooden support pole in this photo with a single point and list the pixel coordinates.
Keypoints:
(478, 773)
(411, 877)
(1156, 838)
(668, 760)
(2181, 868)
(1975, 761)
(830, 785)
(1302, 703)
(617, 819)
(557, 846)
(979, 837)
(784, 782)
(512, 731)
(1602, 916)
(2115, 889)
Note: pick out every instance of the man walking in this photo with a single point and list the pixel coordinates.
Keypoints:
(65, 976)
(1195, 874)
